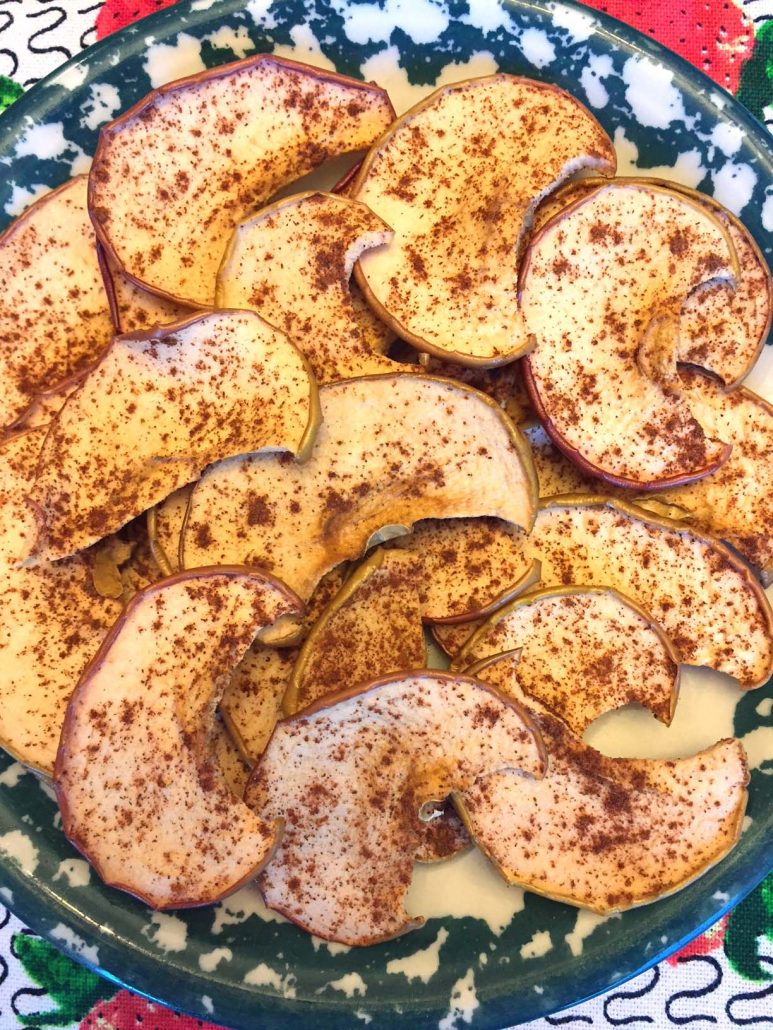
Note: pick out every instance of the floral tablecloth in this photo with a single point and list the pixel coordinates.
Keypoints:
(723, 978)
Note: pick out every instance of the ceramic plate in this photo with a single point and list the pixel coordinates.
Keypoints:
(488, 955)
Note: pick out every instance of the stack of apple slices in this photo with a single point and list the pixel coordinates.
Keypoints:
(302, 456)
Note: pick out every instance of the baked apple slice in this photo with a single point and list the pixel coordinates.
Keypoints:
(371, 628)
(457, 178)
(240, 132)
(705, 598)
(184, 395)
(235, 770)
(602, 290)
(352, 779)
(133, 307)
(141, 794)
(292, 263)
(467, 568)
(735, 502)
(606, 833)
(722, 326)
(451, 637)
(383, 457)
(584, 651)
(55, 318)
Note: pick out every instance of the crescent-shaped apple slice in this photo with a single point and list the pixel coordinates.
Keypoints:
(391, 450)
(457, 178)
(220, 144)
(735, 502)
(467, 568)
(133, 308)
(722, 326)
(292, 263)
(141, 794)
(606, 833)
(602, 290)
(251, 703)
(712, 609)
(352, 779)
(55, 318)
(185, 395)
(601, 643)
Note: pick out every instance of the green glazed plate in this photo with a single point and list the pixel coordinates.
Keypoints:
(488, 956)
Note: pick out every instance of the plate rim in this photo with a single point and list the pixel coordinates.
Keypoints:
(31, 899)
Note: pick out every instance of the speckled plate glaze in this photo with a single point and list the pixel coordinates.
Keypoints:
(488, 956)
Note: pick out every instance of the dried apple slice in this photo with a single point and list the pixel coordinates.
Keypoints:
(503, 384)
(467, 567)
(184, 395)
(235, 770)
(18, 525)
(451, 637)
(722, 326)
(140, 791)
(252, 702)
(351, 779)
(53, 623)
(292, 263)
(602, 299)
(606, 833)
(371, 628)
(133, 307)
(55, 318)
(457, 178)
(734, 503)
(383, 457)
(584, 651)
(710, 606)
(240, 132)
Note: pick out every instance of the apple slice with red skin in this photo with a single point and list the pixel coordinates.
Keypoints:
(140, 792)
(292, 262)
(457, 178)
(383, 457)
(705, 598)
(241, 131)
(55, 318)
(605, 833)
(185, 395)
(351, 778)
(722, 326)
(601, 643)
(602, 300)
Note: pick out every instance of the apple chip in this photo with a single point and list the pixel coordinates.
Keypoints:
(252, 702)
(504, 384)
(132, 306)
(451, 637)
(53, 623)
(292, 263)
(240, 131)
(372, 627)
(457, 178)
(55, 318)
(352, 779)
(605, 833)
(584, 651)
(602, 289)
(383, 457)
(735, 502)
(181, 396)
(710, 606)
(722, 326)
(468, 567)
(235, 770)
(138, 785)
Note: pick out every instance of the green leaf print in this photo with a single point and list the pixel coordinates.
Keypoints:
(72, 989)
(755, 89)
(749, 921)
(9, 91)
